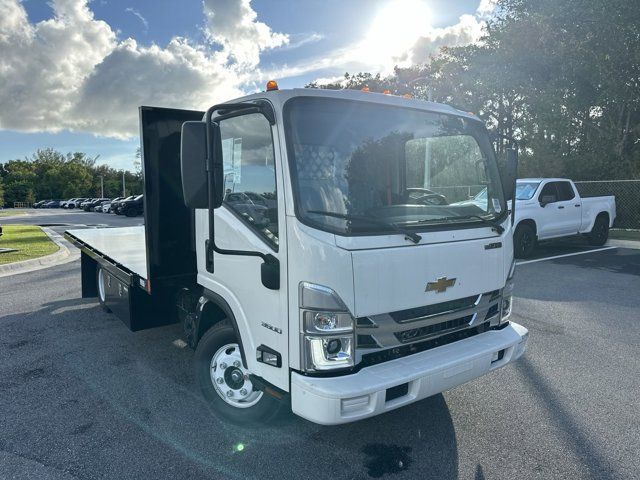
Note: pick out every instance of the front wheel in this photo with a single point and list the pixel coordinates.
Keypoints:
(225, 381)
(599, 233)
(524, 241)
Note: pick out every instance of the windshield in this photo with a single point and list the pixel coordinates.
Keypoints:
(398, 167)
(526, 190)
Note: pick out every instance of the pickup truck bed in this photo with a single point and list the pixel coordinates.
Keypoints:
(123, 246)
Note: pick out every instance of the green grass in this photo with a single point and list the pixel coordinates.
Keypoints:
(10, 212)
(30, 241)
(625, 234)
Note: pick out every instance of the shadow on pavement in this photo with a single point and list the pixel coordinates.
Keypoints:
(94, 397)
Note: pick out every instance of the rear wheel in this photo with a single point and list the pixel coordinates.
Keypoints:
(225, 381)
(101, 286)
(600, 232)
(524, 241)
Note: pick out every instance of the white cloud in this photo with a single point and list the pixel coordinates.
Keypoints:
(71, 72)
(392, 41)
(233, 24)
(467, 30)
(137, 14)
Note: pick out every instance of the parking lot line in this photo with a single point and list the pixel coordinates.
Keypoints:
(524, 262)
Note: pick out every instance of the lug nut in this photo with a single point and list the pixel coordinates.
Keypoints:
(243, 391)
(236, 364)
(223, 366)
(220, 380)
(229, 393)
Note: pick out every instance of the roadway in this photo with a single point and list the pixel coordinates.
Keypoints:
(83, 397)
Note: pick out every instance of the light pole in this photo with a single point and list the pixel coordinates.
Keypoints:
(101, 186)
(123, 186)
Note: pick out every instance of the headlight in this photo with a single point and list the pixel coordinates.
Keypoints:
(327, 329)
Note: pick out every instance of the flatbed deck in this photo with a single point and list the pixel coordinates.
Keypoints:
(124, 246)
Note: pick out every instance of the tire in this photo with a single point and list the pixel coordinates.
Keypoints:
(101, 287)
(130, 212)
(600, 232)
(524, 241)
(258, 407)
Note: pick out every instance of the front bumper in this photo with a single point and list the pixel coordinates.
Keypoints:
(335, 400)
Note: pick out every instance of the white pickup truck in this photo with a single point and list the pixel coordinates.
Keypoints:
(549, 208)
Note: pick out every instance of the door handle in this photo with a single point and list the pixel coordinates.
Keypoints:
(560, 206)
(578, 205)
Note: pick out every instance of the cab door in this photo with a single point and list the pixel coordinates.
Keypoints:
(569, 209)
(546, 218)
(251, 218)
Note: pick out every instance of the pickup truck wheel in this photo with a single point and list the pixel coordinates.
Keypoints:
(524, 241)
(225, 381)
(600, 232)
(101, 281)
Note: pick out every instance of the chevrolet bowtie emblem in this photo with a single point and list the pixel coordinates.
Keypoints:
(440, 285)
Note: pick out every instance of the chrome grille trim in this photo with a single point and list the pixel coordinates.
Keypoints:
(389, 333)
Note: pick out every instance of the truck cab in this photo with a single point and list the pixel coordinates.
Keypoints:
(339, 269)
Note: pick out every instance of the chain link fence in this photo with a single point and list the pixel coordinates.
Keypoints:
(627, 193)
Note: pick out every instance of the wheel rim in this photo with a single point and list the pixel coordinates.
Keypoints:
(231, 380)
(101, 284)
(601, 231)
(525, 242)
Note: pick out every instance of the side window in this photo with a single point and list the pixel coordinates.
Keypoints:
(549, 194)
(565, 191)
(249, 173)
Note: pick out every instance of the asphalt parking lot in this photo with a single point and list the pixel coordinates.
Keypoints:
(82, 397)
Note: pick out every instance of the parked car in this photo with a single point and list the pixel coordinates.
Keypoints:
(90, 206)
(65, 204)
(132, 207)
(75, 202)
(106, 207)
(97, 207)
(40, 203)
(52, 204)
(116, 206)
(250, 207)
(548, 208)
(85, 203)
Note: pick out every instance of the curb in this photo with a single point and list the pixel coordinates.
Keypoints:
(66, 253)
(635, 244)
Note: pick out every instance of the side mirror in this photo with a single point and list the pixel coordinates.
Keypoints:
(546, 200)
(510, 174)
(193, 165)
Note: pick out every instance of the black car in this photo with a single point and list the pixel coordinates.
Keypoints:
(40, 203)
(52, 204)
(132, 207)
(116, 206)
(89, 206)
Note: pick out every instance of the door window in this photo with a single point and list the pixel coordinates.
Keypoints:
(565, 191)
(249, 173)
(549, 194)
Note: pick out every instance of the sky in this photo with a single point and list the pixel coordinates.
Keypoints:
(73, 72)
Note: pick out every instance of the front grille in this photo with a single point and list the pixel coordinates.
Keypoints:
(418, 333)
(374, 358)
(411, 314)
(384, 333)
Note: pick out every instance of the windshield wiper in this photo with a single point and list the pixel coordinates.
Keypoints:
(408, 235)
(496, 227)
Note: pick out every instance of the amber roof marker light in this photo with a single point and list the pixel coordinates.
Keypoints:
(272, 85)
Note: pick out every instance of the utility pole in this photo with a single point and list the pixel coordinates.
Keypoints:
(123, 186)
(101, 186)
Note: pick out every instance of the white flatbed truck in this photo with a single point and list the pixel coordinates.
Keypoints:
(318, 252)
